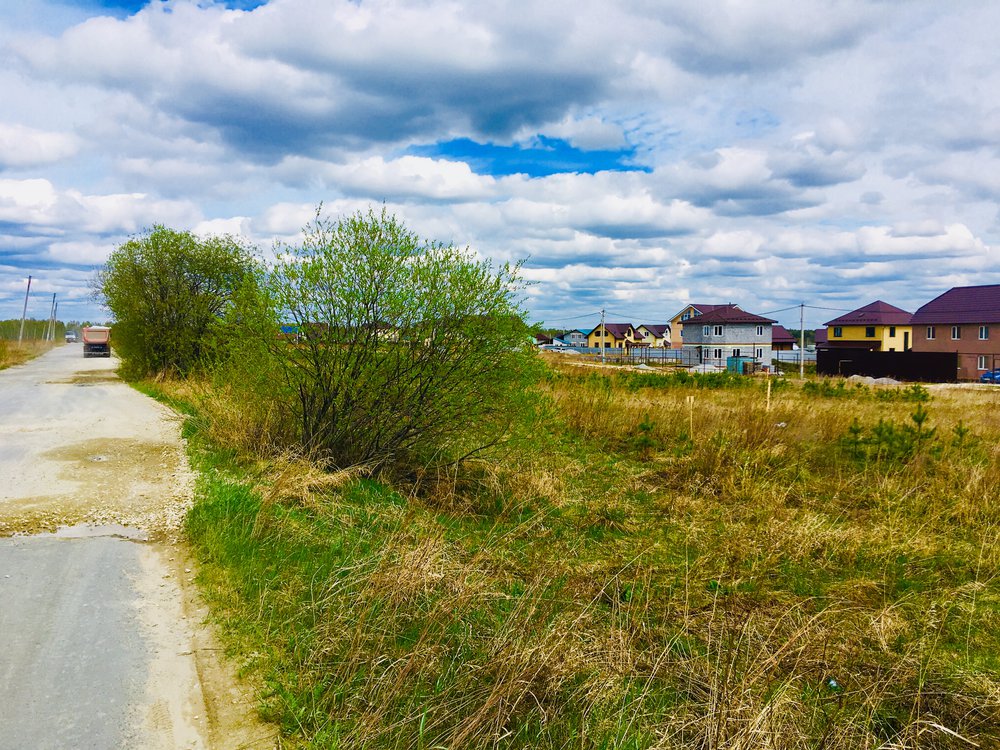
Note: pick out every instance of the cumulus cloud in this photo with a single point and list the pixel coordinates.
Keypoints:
(27, 147)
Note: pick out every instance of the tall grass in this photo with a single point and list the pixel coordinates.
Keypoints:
(13, 354)
(653, 563)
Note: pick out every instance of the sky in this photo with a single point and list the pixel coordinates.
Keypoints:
(635, 155)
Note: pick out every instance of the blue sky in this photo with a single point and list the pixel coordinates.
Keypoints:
(636, 156)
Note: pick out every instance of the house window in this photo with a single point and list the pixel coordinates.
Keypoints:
(981, 362)
(838, 332)
(984, 333)
(736, 352)
(718, 330)
(760, 354)
(930, 333)
(706, 331)
(892, 330)
(718, 353)
(956, 333)
(686, 315)
(760, 330)
(870, 332)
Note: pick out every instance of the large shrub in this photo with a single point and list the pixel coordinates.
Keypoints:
(167, 291)
(392, 347)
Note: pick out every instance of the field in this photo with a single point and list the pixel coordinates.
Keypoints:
(654, 561)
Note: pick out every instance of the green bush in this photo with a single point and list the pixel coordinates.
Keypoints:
(393, 348)
(168, 292)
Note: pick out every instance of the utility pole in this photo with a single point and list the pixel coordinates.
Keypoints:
(55, 318)
(802, 340)
(50, 328)
(604, 334)
(24, 312)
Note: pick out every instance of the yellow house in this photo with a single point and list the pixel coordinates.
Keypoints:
(612, 336)
(686, 313)
(879, 327)
(655, 335)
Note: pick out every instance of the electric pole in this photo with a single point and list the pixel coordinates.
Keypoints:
(24, 312)
(50, 328)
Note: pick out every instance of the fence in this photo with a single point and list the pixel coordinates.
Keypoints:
(673, 357)
(925, 367)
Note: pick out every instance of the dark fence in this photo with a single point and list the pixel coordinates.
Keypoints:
(924, 367)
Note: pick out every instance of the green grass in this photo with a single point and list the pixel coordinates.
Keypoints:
(635, 571)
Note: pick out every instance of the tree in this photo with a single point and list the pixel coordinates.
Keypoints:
(402, 348)
(167, 291)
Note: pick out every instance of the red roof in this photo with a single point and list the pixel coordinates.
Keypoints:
(820, 336)
(730, 314)
(618, 330)
(657, 329)
(780, 335)
(962, 304)
(878, 313)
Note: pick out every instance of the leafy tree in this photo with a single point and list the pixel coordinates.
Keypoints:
(393, 347)
(167, 291)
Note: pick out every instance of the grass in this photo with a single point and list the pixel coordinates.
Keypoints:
(658, 561)
(13, 354)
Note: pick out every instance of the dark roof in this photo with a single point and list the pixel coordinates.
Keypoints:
(701, 309)
(878, 313)
(820, 336)
(657, 329)
(618, 330)
(780, 335)
(962, 304)
(730, 314)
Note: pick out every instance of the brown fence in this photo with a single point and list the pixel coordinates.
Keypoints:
(924, 367)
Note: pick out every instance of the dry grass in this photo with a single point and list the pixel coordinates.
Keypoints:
(11, 353)
(659, 565)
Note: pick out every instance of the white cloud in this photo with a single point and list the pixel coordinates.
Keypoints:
(27, 147)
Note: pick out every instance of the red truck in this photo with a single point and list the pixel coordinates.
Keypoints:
(96, 341)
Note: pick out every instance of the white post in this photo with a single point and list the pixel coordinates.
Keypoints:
(802, 340)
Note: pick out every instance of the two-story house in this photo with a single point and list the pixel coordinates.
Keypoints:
(576, 337)
(686, 313)
(880, 327)
(728, 331)
(612, 336)
(965, 320)
(655, 335)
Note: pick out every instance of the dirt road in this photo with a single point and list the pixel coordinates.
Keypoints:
(104, 644)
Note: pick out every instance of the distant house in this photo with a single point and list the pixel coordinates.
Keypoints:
(575, 337)
(781, 339)
(686, 313)
(656, 335)
(542, 340)
(728, 331)
(880, 327)
(612, 336)
(966, 320)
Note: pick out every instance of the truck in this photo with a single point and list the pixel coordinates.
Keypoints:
(96, 341)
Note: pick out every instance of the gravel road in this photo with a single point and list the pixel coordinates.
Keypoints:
(104, 642)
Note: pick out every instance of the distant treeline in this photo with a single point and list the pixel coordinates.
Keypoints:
(34, 330)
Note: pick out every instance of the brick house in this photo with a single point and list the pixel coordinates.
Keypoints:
(965, 320)
(728, 331)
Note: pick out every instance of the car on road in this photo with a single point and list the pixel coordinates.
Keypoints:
(990, 376)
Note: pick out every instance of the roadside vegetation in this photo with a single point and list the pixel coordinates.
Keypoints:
(32, 344)
(596, 558)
